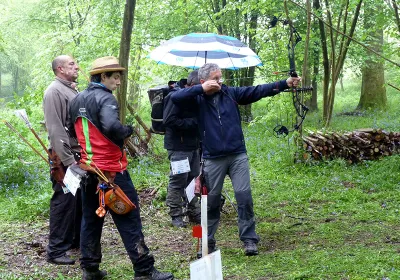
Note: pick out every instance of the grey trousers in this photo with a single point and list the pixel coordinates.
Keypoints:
(176, 196)
(237, 167)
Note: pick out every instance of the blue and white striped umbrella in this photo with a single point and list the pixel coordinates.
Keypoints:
(195, 49)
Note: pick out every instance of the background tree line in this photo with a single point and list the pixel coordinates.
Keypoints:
(33, 32)
(321, 220)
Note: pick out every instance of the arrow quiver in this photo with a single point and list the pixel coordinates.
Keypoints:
(57, 171)
(200, 183)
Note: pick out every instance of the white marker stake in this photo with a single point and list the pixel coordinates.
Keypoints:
(207, 268)
(204, 227)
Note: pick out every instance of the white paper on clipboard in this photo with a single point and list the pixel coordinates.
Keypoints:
(190, 191)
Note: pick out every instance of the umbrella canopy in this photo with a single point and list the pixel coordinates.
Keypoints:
(195, 49)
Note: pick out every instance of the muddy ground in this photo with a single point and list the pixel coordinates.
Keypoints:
(23, 247)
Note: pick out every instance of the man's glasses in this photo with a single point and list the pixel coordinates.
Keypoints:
(218, 80)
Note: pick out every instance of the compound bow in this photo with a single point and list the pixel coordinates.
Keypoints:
(281, 130)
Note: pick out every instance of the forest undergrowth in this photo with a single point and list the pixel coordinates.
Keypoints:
(315, 219)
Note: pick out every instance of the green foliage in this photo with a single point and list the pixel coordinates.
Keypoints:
(28, 201)
(317, 220)
(149, 172)
(24, 175)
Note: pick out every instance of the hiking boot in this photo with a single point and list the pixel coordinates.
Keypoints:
(250, 248)
(63, 260)
(212, 249)
(221, 206)
(93, 274)
(154, 274)
(178, 222)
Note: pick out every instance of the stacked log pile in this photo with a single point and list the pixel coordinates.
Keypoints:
(356, 146)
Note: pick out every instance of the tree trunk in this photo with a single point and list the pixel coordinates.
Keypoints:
(396, 14)
(134, 90)
(325, 58)
(306, 76)
(341, 82)
(0, 79)
(246, 77)
(373, 90)
(248, 73)
(337, 65)
(127, 27)
(134, 94)
(312, 103)
(15, 82)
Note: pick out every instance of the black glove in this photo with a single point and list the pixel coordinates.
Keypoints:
(77, 156)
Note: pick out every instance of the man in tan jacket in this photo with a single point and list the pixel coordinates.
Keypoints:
(65, 209)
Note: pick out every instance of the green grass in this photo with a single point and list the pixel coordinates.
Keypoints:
(316, 220)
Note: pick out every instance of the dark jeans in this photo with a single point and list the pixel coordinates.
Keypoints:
(65, 222)
(129, 227)
(176, 196)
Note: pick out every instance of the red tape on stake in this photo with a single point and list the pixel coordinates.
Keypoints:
(196, 231)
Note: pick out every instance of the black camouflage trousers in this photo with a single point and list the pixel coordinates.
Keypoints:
(176, 196)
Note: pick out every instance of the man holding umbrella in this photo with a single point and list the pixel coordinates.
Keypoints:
(223, 144)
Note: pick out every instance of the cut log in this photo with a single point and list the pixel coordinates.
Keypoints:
(361, 144)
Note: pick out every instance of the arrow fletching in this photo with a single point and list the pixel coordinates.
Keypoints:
(23, 116)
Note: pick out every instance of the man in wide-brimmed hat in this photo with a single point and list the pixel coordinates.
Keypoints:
(94, 116)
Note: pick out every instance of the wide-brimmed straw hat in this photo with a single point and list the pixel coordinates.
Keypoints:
(106, 64)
